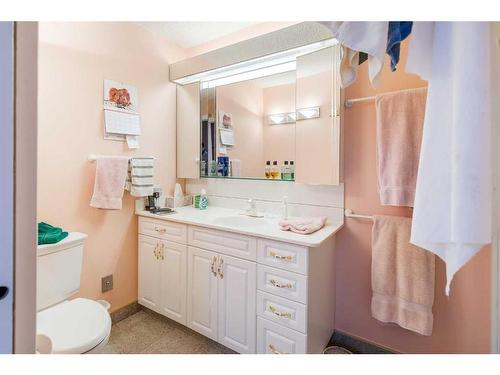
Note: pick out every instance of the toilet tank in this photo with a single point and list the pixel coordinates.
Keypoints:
(59, 268)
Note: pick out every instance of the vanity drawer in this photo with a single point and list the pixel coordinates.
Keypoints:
(283, 311)
(282, 283)
(275, 339)
(282, 255)
(223, 242)
(166, 230)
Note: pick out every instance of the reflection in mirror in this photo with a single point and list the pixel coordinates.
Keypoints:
(208, 166)
(252, 132)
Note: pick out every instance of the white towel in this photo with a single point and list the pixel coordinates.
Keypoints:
(140, 177)
(354, 37)
(452, 213)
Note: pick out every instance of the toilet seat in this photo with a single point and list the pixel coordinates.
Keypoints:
(75, 326)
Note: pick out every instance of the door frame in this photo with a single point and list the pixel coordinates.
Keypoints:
(25, 169)
(7, 185)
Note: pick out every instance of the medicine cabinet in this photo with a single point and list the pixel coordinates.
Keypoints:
(265, 114)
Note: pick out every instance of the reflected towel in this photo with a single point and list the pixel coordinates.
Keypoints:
(110, 176)
(303, 225)
(402, 276)
(400, 119)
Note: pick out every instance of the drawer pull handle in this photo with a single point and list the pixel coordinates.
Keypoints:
(274, 350)
(287, 258)
(162, 251)
(279, 285)
(281, 314)
(220, 269)
(212, 266)
(160, 230)
(155, 251)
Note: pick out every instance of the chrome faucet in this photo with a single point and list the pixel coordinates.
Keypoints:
(252, 209)
(285, 208)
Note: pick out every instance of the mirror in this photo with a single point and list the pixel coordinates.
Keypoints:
(280, 121)
(248, 128)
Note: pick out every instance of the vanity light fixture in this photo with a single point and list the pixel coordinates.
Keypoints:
(249, 75)
(281, 118)
(308, 113)
(255, 65)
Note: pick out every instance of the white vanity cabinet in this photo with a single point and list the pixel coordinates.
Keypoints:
(251, 294)
(221, 298)
(162, 277)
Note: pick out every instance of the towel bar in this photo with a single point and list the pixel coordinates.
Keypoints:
(349, 213)
(93, 157)
(349, 102)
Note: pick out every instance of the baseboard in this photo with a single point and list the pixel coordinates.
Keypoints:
(125, 311)
(357, 345)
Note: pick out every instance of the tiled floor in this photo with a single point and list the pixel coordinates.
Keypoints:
(149, 333)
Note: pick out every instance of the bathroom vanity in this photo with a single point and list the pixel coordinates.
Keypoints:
(239, 280)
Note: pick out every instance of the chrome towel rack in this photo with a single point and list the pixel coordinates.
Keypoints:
(350, 214)
(93, 157)
(349, 102)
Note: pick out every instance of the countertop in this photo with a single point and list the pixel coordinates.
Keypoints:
(227, 219)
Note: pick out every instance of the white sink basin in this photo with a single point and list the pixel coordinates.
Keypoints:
(240, 221)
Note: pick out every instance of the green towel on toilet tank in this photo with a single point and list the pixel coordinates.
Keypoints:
(48, 234)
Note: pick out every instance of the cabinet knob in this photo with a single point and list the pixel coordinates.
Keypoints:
(274, 350)
(220, 269)
(287, 258)
(281, 314)
(277, 284)
(212, 266)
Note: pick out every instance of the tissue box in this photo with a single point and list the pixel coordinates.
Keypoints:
(173, 202)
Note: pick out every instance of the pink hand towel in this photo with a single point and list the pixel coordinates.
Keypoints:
(400, 119)
(110, 176)
(303, 225)
(402, 276)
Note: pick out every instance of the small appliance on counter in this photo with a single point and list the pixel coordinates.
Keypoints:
(153, 205)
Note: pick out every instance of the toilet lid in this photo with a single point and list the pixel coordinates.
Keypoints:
(74, 326)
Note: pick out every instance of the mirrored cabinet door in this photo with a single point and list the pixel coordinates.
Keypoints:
(317, 141)
(188, 130)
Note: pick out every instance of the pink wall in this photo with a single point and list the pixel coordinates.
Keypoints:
(74, 59)
(279, 140)
(462, 321)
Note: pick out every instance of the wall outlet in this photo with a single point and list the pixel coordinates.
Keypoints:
(106, 283)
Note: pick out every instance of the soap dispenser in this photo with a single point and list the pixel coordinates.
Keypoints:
(203, 200)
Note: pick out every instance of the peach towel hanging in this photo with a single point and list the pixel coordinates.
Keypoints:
(400, 119)
(402, 276)
(110, 176)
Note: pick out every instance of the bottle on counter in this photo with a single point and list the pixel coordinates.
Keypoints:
(292, 171)
(275, 171)
(285, 171)
(203, 200)
(268, 169)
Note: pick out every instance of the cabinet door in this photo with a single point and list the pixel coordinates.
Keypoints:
(188, 131)
(202, 292)
(173, 280)
(317, 86)
(149, 272)
(237, 298)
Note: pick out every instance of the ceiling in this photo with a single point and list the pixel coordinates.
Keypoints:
(192, 34)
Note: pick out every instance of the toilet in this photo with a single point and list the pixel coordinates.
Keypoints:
(77, 326)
